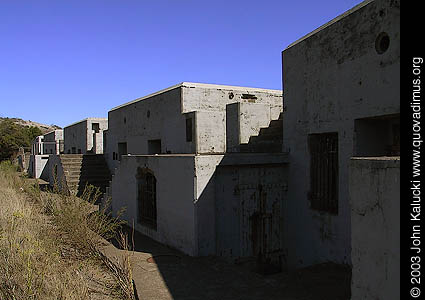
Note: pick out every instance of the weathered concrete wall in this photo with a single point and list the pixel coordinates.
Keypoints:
(244, 120)
(95, 135)
(162, 116)
(249, 209)
(210, 132)
(80, 138)
(155, 118)
(56, 172)
(39, 167)
(375, 218)
(175, 195)
(75, 137)
(332, 77)
(37, 145)
(205, 217)
(210, 97)
(51, 141)
(23, 160)
(187, 199)
(211, 180)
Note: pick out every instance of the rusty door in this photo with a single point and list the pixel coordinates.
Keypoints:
(248, 213)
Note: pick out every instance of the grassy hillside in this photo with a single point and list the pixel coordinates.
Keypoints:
(49, 245)
(16, 133)
(28, 123)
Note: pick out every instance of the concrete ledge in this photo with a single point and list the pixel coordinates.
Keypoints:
(237, 159)
(380, 162)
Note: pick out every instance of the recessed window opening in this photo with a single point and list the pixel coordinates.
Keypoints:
(122, 150)
(382, 43)
(248, 96)
(154, 146)
(377, 136)
(95, 127)
(189, 130)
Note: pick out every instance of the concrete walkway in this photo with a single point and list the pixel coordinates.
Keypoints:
(161, 273)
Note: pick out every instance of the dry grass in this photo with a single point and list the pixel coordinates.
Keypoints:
(49, 245)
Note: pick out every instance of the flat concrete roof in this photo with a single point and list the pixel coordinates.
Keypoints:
(239, 159)
(200, 85)
(345, 14)
(87, 119)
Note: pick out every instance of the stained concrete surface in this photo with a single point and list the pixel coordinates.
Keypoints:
(162, 273)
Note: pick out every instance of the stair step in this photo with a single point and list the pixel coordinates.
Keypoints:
(71, 160)
(276, 123)
(276, 129)
(266, 137)
(71, 168)
(86, 169)
(262, 147)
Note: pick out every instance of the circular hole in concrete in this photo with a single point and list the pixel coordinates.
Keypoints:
(164, 259)
(382, 42)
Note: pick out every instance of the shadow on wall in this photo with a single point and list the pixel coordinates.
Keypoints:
(247, 201)
(45, 172)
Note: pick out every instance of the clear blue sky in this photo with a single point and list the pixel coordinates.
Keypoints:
(62, 60)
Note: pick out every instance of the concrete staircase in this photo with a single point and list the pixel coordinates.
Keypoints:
(80, 170)
(269, 139)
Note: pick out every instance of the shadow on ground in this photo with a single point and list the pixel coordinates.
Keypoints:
(164, 273)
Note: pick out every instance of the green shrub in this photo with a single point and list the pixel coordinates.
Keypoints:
(14, 136)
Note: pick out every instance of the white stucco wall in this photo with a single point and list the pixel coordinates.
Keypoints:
(330, 78)
(375, 218)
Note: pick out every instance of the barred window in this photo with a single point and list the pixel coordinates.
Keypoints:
(324, 171)
(146, 198)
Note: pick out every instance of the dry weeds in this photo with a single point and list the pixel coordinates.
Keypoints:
(49, 245)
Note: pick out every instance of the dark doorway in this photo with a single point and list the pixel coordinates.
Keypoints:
(146, 197)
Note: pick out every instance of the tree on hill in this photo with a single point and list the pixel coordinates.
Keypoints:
(13, 136)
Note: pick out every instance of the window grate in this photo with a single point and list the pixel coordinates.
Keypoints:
(324, 172)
